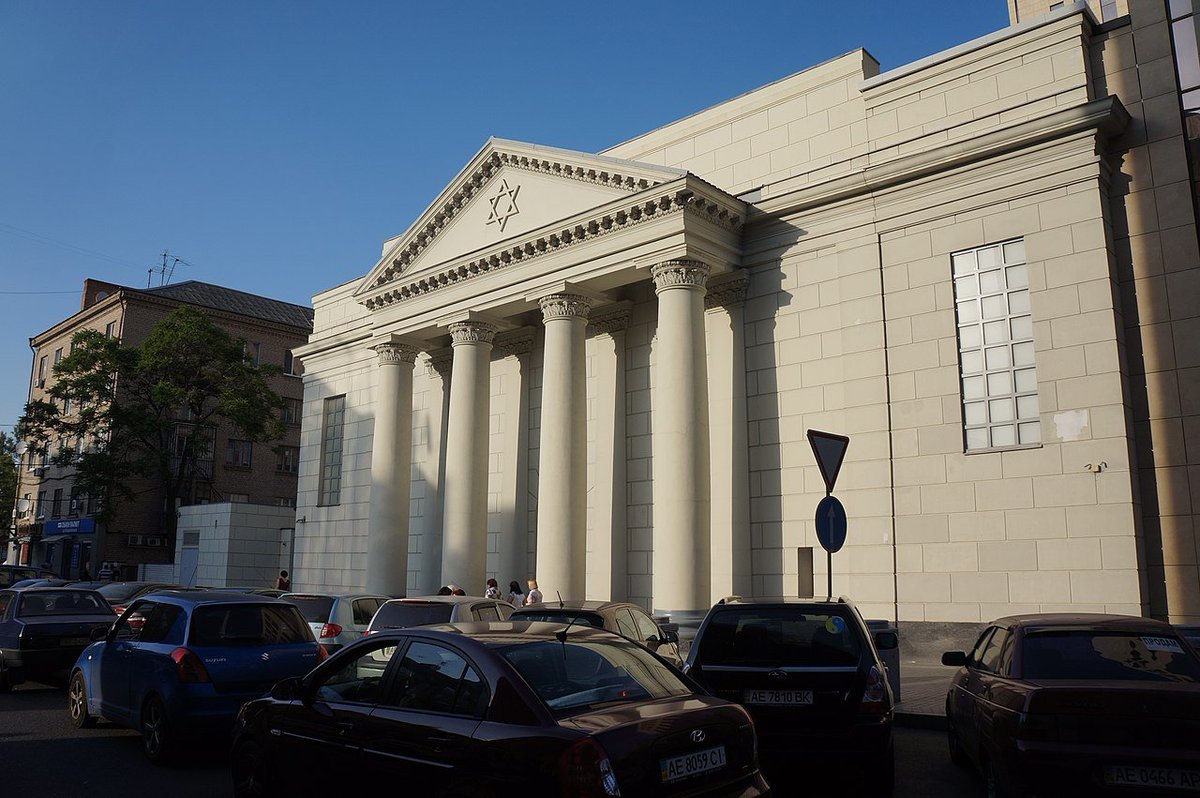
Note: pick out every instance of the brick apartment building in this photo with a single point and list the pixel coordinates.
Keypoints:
(56, 524)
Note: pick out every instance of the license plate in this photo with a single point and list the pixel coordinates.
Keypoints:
(798, 698)
(73, 641)
(680, 767)
(1162, 778)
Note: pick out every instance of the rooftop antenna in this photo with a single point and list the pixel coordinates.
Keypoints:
(561, 634)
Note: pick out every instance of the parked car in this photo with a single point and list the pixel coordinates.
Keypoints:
(10, 574)
(120, 594)
(271, 592)
(42, 631)
(40, 583)
(623, 618)
(1190, 634)
(496, 708)
(423, 610)
(336, 620)
(182, 662)
(1077, 705)
(809, 674)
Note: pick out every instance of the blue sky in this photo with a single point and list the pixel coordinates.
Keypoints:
(274, 145)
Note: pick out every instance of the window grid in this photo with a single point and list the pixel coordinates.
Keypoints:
(995, 347)
(239, 453)
(332, 430)
(287, 459)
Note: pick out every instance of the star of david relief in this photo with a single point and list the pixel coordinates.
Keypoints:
(504, 205)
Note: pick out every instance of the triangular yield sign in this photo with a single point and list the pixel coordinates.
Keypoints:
(830, 451)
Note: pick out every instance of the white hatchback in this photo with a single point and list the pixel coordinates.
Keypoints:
(337, 620)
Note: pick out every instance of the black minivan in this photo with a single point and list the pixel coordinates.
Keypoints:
(809, 674)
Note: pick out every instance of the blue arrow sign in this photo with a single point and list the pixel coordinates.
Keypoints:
(831, 524)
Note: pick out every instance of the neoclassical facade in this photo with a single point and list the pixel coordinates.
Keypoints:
(598, 369)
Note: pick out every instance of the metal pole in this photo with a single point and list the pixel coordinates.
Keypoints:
(829, 571)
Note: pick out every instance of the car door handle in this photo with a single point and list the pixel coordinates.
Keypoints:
(343, 728)
(441, 740)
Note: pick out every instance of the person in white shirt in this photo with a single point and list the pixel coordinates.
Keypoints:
(493, 589)
(515, 596)
(534, 596)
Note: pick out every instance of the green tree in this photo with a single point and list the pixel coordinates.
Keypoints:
(120, 416)
(8, 485)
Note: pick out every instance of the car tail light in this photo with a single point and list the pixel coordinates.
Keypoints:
(875, 693)
(331, 630)
(370, 632)
(322, 653)
(1036, 727)
(189, 667)
(584, 771)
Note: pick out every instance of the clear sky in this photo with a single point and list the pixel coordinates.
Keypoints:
(274, 145)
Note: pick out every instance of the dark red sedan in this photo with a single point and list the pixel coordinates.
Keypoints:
(496, 708)
(1078, 705)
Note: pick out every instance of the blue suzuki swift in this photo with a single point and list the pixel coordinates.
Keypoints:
(185, 661)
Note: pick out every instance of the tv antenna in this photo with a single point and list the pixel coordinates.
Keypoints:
(166, 269)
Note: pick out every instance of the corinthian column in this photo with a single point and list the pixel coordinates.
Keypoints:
(391, 471)
(464, 519)
(562, 458)
(682, 546)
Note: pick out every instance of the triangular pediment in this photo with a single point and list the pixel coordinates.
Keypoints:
(508, 189)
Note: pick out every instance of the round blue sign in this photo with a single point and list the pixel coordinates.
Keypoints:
(831, 524)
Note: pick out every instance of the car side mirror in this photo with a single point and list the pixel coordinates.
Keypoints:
(670, 636)
(290, 689)
(886, 641)
(955, 659)
(100, 633)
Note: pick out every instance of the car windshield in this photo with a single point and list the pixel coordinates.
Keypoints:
(315, 609)
(1107, 655)
(120, 591)
(403, 614)
(63, 602)
(578, 675)
(779, 636)
(573, 617)
(248, 625)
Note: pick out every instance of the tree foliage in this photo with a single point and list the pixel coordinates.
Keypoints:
(8, 484)
(121, 415)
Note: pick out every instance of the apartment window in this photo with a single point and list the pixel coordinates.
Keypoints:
(238, 453)
(287, 459)
(42, 371)
(289, 363)
(995, 346)
(291, 411)
(285, 501)
(250, 351)
(110, 330)
(239, 498)
(56, 506)
(333, 422)
(76, 503)
(58, 356)
(68, 406)
(41, 504)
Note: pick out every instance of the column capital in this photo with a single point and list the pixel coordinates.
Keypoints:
(514, 343)
(678, 274)
(391, 354)
(472, 332)
(726, 290)
(610, 319)
(564, 306)
(440, 361)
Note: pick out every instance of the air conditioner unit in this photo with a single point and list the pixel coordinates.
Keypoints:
(133, 540)
(39, 472)
(151, 540)
(74, 505)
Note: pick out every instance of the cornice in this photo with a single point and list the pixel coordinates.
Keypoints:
(689, 196)
(1107, 116)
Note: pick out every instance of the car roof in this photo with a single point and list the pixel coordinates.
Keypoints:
(733, 601)
(494, 633)
(1082, 620)
(576, 604)
(195, 598)
(52, 589)
(440, 600)
(300, 594)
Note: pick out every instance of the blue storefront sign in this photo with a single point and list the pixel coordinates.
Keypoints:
(69, 526)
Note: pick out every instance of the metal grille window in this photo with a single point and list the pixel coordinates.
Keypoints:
(332, 430)
(995, 346)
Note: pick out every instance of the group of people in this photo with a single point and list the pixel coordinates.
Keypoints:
(515, 597)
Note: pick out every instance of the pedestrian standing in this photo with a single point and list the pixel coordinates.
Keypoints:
(515, 596)
(283, 582)
(105, 572)
(493, 589)
(534, 596)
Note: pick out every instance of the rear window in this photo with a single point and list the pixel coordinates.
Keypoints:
(580, 675)
(401, 615)
(65, 602)
(315, 609)
(248, 625)
(120, 591)
(1107, 655)
(561, 616)
(779, 637)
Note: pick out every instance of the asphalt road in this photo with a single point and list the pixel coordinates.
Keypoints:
(42, 754)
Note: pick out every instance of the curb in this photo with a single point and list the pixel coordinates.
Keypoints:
(919, 720)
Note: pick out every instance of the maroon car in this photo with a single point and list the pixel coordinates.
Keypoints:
(1078, 705)
(497, 708)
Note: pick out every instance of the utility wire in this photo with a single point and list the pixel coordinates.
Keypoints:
(38, 292)
(38, 238)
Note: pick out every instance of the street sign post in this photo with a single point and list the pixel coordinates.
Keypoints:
(830, 452)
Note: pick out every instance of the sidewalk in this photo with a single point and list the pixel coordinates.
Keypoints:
(923, 687)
